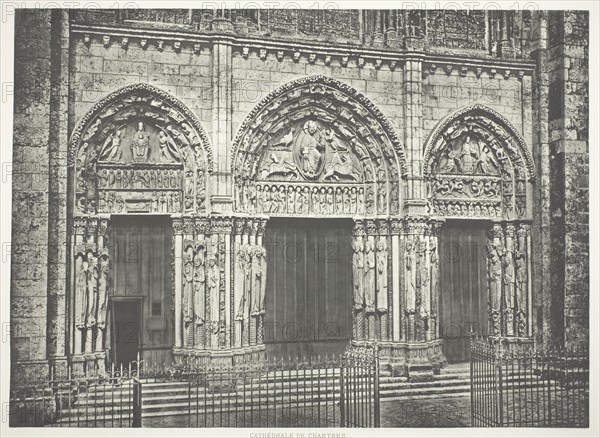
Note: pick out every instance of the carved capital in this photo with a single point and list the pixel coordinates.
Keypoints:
(92, 227)
(383, 227)
(177, 226)
(396, 226)
(79, 225)
(370, 227)
(188, 225)
(201, 225)
(102, 226)
(415, 225)
(359, 228)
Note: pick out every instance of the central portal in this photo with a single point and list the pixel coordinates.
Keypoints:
(309, 287)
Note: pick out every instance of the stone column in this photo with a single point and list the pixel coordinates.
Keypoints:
(382, 270)
(238, 282)
(178, 255)
(78, 287)
(434, 263)
(187, 284)
(358, 313)
(92, 252)
(102, 310)
(397, 307)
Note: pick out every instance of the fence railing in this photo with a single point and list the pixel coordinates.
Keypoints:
(338, 391)
(102, 401)
(528, 388)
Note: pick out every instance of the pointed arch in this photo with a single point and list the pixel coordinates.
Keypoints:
(139, 149)
(317, 137)
(476, 164)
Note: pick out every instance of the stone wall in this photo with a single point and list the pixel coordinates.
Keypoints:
(29, 270)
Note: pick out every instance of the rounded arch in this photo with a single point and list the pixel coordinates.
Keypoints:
(317, 138)
(139, 149)
(476, 164)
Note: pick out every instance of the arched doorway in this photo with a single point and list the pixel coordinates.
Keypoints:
(316, 148)
(479, 175)
(138, 162)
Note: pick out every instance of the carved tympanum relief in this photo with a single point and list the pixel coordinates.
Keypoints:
(477, 165)
(140, 150)
(317, 147)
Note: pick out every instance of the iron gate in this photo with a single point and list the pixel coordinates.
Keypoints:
(109, 400)
(528, 388)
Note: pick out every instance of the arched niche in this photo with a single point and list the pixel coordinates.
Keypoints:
(139, 150)
(477, 165)
(317, 147)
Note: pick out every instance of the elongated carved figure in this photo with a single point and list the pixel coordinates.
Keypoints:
(358, 266)
(214, 282)
(188, 278)
(369, 278)
(382, 276)
(103, 292)
(92, 286)
(81, 295)
(199, 287)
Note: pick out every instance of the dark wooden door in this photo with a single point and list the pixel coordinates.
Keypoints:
(140, 254)
(309, 289)
(463, 288)
(126, 330)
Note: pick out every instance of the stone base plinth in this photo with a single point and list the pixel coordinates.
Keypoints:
(30, 372)
(228, 357)
(415, 360)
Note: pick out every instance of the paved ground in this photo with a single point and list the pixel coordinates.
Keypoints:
(434, 412)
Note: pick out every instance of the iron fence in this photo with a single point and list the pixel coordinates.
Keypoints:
(302, 392)
(111, 400)
(528, 388)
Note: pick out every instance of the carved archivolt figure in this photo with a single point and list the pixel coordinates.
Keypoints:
(199, 287)
(358, 266)
(92, 285)
(103, 292)
(369, 277)
(382, 276)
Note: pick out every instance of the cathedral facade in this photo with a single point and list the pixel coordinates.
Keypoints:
(235, 185)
